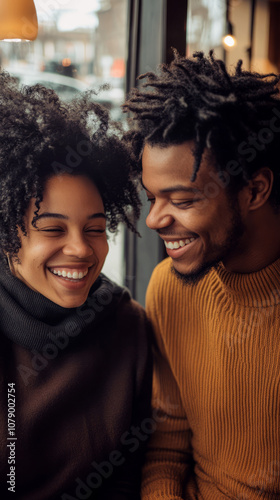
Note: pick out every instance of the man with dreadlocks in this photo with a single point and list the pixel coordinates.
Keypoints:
(209, 145)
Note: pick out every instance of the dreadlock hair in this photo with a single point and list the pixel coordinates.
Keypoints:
(40, 137)
(231, 116)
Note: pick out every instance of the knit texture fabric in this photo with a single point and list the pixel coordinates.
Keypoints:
(216, 386)
(81, 379)
(31, 320)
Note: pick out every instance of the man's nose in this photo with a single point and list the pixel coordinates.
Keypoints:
(158, 217)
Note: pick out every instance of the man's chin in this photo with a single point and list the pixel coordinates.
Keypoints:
(195, 276)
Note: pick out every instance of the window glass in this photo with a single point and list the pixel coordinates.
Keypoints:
(205, 26)
(80, 44)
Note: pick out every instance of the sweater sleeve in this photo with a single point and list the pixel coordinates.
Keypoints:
(169, 457)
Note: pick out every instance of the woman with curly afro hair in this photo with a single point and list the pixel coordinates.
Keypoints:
(75, 364)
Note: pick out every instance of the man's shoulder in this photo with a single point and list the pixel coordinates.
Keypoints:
(163, 271)
(163, 278)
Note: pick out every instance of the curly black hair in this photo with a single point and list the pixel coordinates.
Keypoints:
(42, 136)
(232, 116)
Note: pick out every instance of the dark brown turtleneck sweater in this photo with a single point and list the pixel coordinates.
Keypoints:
(82, 391)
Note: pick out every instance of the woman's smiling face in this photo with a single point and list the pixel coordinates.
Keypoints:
(63, 255)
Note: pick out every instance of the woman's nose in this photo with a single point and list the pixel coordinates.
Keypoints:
(78, 246)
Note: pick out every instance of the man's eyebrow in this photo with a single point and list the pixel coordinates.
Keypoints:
(177, 188)
(51, 215)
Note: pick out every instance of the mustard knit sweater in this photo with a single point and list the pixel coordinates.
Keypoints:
(216, 420)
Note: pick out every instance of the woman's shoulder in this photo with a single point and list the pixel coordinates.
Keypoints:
(119, 294)
(129, 314)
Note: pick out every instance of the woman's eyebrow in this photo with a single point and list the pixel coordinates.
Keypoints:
(97, 216)
(51, 215)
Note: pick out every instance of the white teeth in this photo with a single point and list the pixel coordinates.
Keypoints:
(177, 244)
(67, 274)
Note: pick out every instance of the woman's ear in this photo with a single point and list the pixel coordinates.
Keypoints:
(260, 187)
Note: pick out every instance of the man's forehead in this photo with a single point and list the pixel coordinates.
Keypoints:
(168, 154)
(176, 161)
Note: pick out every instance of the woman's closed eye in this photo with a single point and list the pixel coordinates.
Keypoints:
(95, 230)
(51, 229)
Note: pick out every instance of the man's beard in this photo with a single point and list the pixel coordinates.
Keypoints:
(222, 251)
(193, 277)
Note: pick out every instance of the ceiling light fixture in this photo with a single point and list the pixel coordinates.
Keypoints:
(18, 20)
(229, 39)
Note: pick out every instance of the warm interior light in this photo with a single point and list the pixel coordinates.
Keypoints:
(18, 20)
(17, 40)
(229, 41)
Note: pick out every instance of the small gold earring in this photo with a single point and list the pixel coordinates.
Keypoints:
(10, 264)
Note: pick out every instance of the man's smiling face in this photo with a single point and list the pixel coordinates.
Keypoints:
(198, 230)
(63, 255)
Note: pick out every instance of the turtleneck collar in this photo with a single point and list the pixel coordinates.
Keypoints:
(31, 320)
(258, 289)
